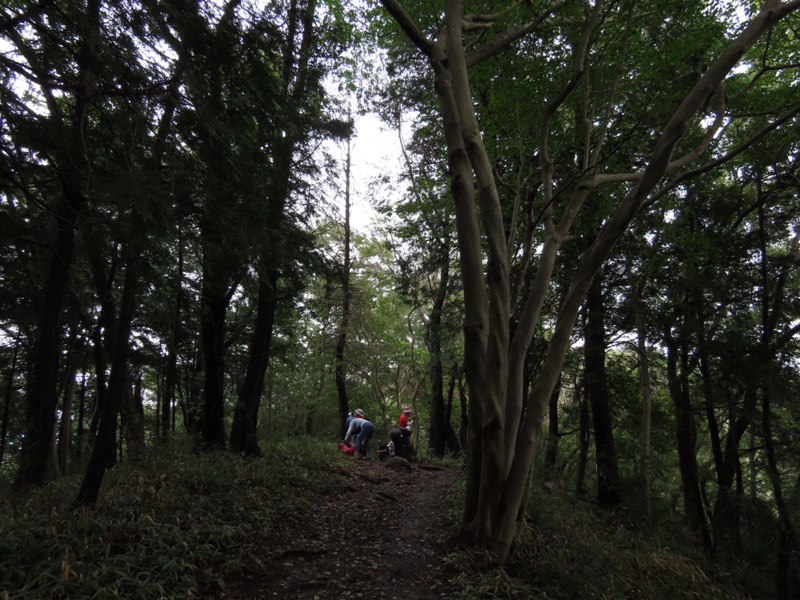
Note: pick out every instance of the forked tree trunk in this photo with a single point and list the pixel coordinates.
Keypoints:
(501, 447)
(104, 451)
(245, 419)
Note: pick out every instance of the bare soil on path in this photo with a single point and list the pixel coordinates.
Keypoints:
(380, 535)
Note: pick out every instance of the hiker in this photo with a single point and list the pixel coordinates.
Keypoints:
(363, 428)
(406, 421)
(400, 438)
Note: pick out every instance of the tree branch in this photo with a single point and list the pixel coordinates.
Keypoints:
(34, 10)
(509, 36)
(409, 27)
(791, 113)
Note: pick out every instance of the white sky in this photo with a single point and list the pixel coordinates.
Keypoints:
(375, 151)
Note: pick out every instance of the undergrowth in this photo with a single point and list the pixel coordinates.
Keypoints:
(570, 549)
(170, 527)
(180, 522)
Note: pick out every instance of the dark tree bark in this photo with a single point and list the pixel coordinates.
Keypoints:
(453, 442)
(584, 435)
(686, 433)
(101, 382)
(9, 391)
(212, 323)
(192, 404)
(41, 417)
(105, 330)
(551, 451)
(132, 410)
(787, 536)
(462, 397)
(643, 363)
(81, 430)
(65, 424)
(439, 423)
(171, 378)
(69, 159)
(104, 451)
(597, 392)
(243, 431)
(169, 405)
(341, 338)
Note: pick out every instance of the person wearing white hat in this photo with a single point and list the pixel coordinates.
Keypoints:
(363, 429)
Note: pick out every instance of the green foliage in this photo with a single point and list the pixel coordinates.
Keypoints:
(172, 527)
(572, 550)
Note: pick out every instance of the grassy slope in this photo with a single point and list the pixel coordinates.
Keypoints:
(174, 526)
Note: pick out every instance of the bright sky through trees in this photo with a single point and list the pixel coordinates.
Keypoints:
(376, 152)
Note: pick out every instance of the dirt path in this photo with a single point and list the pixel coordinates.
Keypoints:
(380, 536)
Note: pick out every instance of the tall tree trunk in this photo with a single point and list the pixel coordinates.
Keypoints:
(245, 419)
(192, 405)
(101, 381)
(453, 441)
(37, 445)
(169, 403)
(597, 390)
(213, 313)
(104, 451)
(686, 432)
(132, 412)
(65, 424)
(787, 536)
(643, 361)
(502, 443)
(105, 330)
(81, 433)
(463, 426)
(341, 338)
(439, 424)
(551, 451)
(9, 392)
(218, 286)
(584, 438)
(72, 168)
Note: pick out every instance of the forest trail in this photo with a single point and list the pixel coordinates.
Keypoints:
(380, 535)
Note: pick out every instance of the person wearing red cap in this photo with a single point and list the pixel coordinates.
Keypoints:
(405, 417)
(401, 436)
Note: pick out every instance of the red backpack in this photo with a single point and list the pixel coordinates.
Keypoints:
(347, 448)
